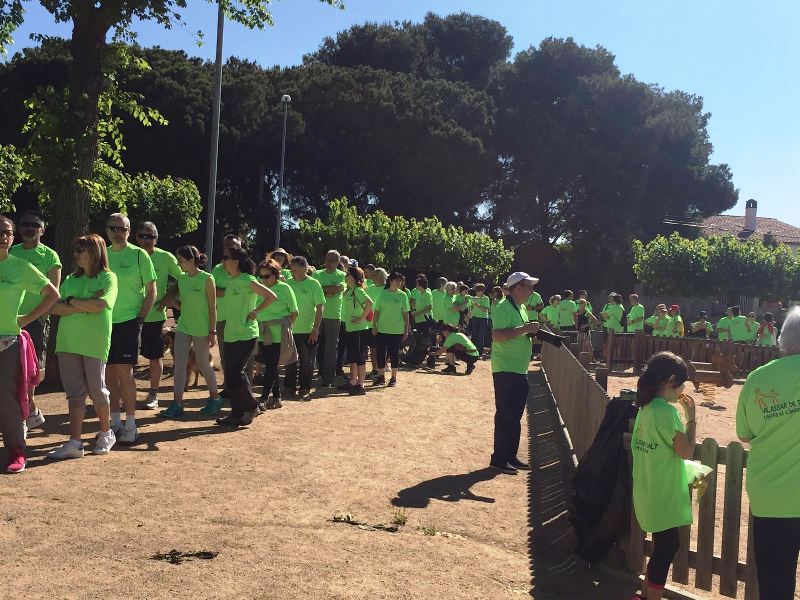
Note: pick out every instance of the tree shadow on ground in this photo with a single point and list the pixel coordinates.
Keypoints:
(450, 488)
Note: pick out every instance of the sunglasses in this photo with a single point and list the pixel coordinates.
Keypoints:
(6, 233)
(29, 225)
(146, 236)
(117, 228)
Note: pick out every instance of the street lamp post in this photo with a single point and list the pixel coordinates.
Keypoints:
(285, 100)
(212, 176)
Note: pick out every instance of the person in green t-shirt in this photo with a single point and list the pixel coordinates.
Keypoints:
(461, 303)
(89, 296)
(247, 297)
(675, 327)
(136, 293)
(738, 325)
(390, 325)
(480, 317)
(152, 337)
(567, 308)
(511, 357)
(369, 272)
(612, 313)
(457, 346)
(195, 331)
(584, 295)
(702, 328)
(768, 418)
(379, 276)
(421, 304)
(724, 326)
(767, 335)
(450, 311)
(533, 305)
(221, 282)
(550, 313)
(331, 278)
(357, 315)
(660, 443)
(752, 325)
(659, 321)
(44, 258)
(635, 321)
(282, 257)
(438, 295)
(310, 305)
(17, 277)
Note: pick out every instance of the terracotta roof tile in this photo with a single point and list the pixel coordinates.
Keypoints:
(734, 225)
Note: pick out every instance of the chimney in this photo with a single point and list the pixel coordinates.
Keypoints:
(750, 212)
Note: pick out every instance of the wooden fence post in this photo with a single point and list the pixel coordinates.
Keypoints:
(706, 518)
(638, 351)
(601, 376)
(731, 519)
(585, 358)
(610, 343)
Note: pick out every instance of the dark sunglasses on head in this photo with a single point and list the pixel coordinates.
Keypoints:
(145, 236)
(31, 225)
(116, 228)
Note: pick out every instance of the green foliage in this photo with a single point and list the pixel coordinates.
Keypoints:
(720, 266)
(397, 242)
(12, 175)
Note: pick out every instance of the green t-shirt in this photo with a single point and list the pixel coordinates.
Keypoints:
(461, 301)
(660, 325)
(333, 304)
(88, 334)
(550, 313)
(308, 295)
(460, 338)
(284, 305)
(724, 328)
(437, 312)
(767, 338)
(514, 355)
(353, 304)
(636, 312)
(43, 258)
(480, 306)
(535, 299)
(769, 415)
(391, 306)
(194, 304)
(166, 266)
(422, 300)
(614, 321)
(449, 316)
(674, 326)
(221, 279)
(134, 270)
(17, 277)
(566, 313)
(739, 328)
(660, 487)
(243, 301)
(752, 334)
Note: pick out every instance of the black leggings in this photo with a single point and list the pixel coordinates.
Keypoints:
(777, 544)
(357, 343)
(270, 355)
(389, 343)
(665, 545)
(236, 383)
(462, 355)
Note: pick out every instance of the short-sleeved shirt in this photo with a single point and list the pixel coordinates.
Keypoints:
(769, 415)
(283, 306)
(752, 335)
(354, 302)
(675, 326)
(614, 321)
(243, 300)
(391, 306)
(134, 270)
(660, 325)
(767, 338)
(724, 328)
(550, 313)
(194, 319)
(308, 294)
(422, 300)
(705, 328)
(535, 299)
(514, 355)
(566, 313)
(333, 304)
(660, 486)
(43, 258)
(17, 277)
(437, 312)
(221, 279)
(460, 338)
(449, 316)
(166, 266)
(88, 334)
(636, 312)
(480, 306)
(739, 328)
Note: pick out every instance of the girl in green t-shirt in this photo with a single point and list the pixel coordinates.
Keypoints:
(390, 325)
(752, 325)
(660, 443)
(550, 313)
(457, 346)
(357, 316)
(767, 334)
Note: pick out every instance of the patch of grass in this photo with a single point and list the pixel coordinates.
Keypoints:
(428, 530)
(400, 518)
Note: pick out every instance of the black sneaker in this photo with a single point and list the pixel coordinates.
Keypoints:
(506, 468)
(449, 369)
(247, 417)
(519, 465)
(379, 381)
(470, 368)
(345, 387)
(392, 382)
(228, 421)
(358, 390)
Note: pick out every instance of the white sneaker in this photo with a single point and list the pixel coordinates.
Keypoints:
(35, 420)
(151, 401)
(104, 443)
(116, 428)
(66, 450)
(127, 435)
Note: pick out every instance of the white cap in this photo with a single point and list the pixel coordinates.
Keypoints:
(518, 276)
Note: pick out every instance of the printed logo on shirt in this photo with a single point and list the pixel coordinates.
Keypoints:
(771, 406)
(642, 445)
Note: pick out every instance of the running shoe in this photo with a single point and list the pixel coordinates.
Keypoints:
(212, 407)
(128, 436)
(68, 449)
(392, 382)
(16, 460)
(174, 409)
(104, 443)
(151, 401)
(35, 420)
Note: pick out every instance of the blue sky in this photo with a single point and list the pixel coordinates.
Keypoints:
(739, 55)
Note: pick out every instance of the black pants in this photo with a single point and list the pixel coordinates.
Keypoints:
(270, 355)
(236, 383)
(389, 344)
(341, 351)
(306, 353)
(467, 358)
(479, 327)
(777, 544)
(357, 343)
(510, 398)
(665, 545)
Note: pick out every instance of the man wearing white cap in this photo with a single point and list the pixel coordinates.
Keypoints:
(511, 356)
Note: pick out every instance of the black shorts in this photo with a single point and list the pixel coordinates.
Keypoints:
(152, 341)
(124, 343)
(39, 330)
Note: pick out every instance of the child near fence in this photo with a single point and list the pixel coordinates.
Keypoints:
(659, 445)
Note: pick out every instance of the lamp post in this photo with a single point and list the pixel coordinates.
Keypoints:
(212, 175)
(285, 100)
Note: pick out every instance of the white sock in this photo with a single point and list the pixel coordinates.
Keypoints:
(130, 422)
(116, 419)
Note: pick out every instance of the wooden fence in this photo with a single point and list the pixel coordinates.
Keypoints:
(582, 403)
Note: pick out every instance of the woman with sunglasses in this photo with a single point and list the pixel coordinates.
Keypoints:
(659, 321)
(283, 258)
(17, 277)
(277, 317)
(197, 301)
(89, 294)
(242, 293)
(390, 324)
(356, 315)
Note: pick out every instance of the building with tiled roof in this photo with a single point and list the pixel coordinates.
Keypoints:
(751, 226)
